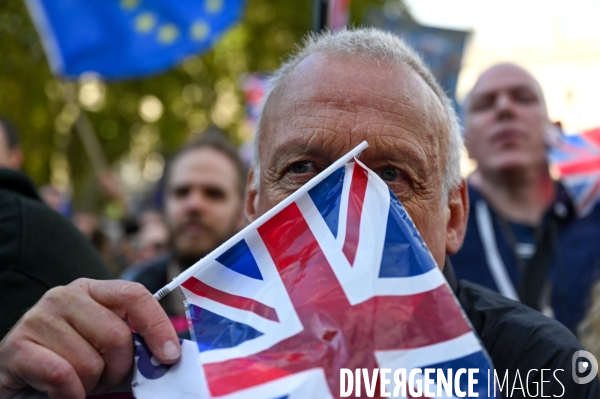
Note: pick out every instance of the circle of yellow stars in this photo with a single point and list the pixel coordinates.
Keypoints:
(168, 33)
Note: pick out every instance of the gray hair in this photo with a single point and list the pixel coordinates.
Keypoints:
(383, 47)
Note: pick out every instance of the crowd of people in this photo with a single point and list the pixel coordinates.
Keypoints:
(520, 261)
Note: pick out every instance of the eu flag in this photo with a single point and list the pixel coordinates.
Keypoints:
(128, 38)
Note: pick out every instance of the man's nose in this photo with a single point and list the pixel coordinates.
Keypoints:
(195, 202)
(504, 107)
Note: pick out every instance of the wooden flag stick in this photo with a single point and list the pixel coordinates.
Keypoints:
(91, 143)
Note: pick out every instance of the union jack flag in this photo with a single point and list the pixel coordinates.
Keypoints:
(338, 278)
(576, 159)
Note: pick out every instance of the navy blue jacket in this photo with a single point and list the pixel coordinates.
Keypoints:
(575, 264)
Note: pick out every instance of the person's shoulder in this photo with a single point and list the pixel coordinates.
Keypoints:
(492, 314)
(14, 183)
(38, 241)
(17, 192)
(523, 343)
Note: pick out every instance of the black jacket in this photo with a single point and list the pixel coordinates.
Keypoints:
(39, 249)
(521, 342)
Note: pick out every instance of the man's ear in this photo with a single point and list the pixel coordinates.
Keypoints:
(251, 198)
(458, 213)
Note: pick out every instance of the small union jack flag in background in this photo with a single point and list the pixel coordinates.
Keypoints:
(336, 276)
(576, 159)
(254, 87)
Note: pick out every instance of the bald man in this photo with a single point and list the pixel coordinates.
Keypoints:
(523, 238)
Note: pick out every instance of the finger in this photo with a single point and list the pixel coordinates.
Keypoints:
(143, 312)
(60, 337)
(43, 370)
(110, 336)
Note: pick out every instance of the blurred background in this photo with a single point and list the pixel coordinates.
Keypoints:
(138, 121)
(559, 42)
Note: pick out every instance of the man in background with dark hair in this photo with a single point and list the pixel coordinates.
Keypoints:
(204, 190)
(11, 155)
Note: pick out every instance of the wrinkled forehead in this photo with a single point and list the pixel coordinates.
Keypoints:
(359, 78)
(329, 81)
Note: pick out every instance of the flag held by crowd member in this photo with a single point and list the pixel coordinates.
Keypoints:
(334, 277)
(121, 39)
(576, 159)
(338, 14)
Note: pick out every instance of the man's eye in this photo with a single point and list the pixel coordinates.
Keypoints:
(482, 103)
(482, 106)
(301, 167)
(525, 98)
(180, 192)
(215, 193)
(389, 174)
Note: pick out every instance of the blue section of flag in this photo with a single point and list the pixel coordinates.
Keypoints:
(212, 331)
(128, 38)
(570, 148)
(327, 197)
(578, 189)
(239, 258)
(477, 360)
(404, 253)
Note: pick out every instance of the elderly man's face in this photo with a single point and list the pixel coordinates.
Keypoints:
(327, 106)
(506, 120)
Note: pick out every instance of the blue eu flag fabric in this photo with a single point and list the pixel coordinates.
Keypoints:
(121, 39)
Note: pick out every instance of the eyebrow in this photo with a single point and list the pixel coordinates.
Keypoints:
(416, 160)
(495, 90)
(299, 146)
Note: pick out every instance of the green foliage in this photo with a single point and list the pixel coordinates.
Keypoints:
(202, 91)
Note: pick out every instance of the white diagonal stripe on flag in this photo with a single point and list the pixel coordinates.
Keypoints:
(455, 348)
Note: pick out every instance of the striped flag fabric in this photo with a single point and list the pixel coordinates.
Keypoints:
(576, 159)
(336, 276)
